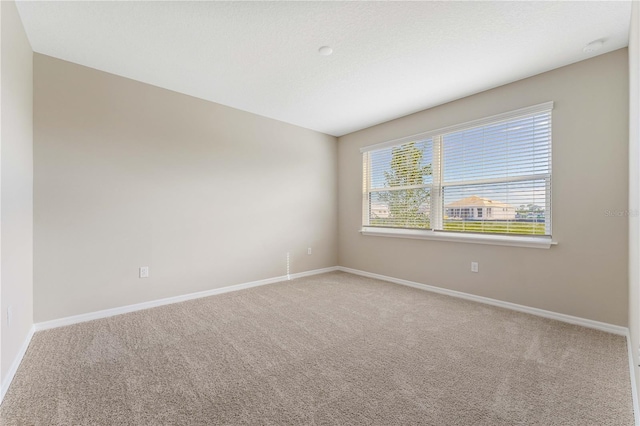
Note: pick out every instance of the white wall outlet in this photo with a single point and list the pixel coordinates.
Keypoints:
(474, 266)
(309, 250)
(9, 315)
(144, 272)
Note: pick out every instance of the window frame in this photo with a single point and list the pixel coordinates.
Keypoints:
(436, 231)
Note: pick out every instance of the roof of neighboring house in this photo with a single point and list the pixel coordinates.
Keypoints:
(475, 201)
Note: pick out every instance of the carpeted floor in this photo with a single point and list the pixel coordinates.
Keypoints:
(328, 349)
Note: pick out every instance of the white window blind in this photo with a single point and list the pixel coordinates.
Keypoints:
(490, 176)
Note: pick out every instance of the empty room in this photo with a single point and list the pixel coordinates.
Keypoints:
(300, 213)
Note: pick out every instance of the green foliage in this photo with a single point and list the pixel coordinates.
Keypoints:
(405, 204)
(495, 227)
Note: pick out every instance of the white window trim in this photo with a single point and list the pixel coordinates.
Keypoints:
(543, 242)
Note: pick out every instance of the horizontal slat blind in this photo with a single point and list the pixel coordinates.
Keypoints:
(490, 178)
(516, 152)
(506, 116)
(513, 148)
(399, 183)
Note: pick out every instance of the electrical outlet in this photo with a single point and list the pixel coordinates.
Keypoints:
(474, 266)
(144, 272)
(9, 315)
(309, 250)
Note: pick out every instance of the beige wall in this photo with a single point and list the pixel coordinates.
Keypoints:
(586, 274)
(634, 185)
(16, 153)
(130, 175)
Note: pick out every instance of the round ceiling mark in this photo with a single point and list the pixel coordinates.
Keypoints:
(593, 46)
(325, 51)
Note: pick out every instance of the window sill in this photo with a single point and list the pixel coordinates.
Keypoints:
(499, 240)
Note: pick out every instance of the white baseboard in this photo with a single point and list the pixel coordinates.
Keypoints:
(16, 363)
(603, 326)
(634, 386)
(169, 300)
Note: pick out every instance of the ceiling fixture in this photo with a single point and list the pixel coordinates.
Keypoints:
(593, 46)
(325, 51)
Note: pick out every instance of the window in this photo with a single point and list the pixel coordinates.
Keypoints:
(487, 177)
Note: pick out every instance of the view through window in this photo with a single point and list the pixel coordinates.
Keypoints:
(491, 176)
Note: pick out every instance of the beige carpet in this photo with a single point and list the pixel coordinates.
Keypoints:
(329, 349)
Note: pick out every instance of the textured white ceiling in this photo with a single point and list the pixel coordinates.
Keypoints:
(390, 58)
